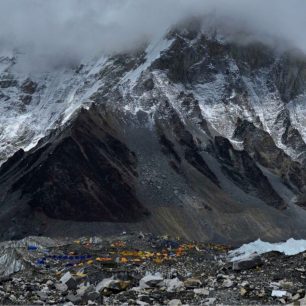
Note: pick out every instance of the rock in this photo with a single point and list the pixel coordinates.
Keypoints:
(45, 290)
(61, 287)
(301, 292)
(301, 301)
(261, 293)
(74, 298)
(300, 269)
(112, 284)
(227, 283)
(221, 276)
(173, 273)
(174, 285)
(83, 289)
(68, 304)
(151, 281)
(285, 284)
(105, 283)
(144, 298)
(69, 280)
(210, 301)
(42, 295)
(192, 282)
(247, 263)
(201, 291)
(245, 284)
(49, 283)
(243, 291)
(175, 302)
(142, 303)
(93, 296)
(296, 297)
(148, 84)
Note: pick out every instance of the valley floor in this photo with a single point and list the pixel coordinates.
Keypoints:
(144, 269)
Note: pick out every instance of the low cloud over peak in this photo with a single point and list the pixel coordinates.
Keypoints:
(57, 32)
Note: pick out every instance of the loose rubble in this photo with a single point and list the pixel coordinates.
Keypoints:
(143, 269)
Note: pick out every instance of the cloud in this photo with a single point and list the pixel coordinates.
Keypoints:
(53, 33)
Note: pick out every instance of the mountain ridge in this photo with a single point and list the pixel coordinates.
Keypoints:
(194, 130)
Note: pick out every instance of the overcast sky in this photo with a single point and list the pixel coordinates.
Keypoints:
(64, 31)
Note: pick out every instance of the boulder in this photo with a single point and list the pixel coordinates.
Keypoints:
(286, 284)
(175, 302)
(151, 281)
(61, 287)
(69, 281)
(192, 282)
(74, 298)
(113, 285)
(85, 289)
(210, 301)
(49, 283)
(201, 291)
(92, 295)
(174, 285)
(227, 283)
(243, 291)
(247, 263)
(42, 295)
(301, 301)
(296, 297)
(245, 284)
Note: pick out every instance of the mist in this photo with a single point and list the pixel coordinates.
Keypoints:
(58, 33)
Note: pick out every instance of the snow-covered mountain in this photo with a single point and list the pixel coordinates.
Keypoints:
(192, 135)
(32, 104)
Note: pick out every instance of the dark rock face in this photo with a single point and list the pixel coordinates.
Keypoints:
(190, 106)
(29, 87)
(241, 168)
(252, 56)
(85, 174)
(11, 161)
(7, 83)
(290, 76)
(185, 140)
(168, 148)
(291, 137)
(180, 60)
(261, 146)
(259, 143)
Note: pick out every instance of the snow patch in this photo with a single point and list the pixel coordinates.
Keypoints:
(233, 95)
(290, 247)
(298, 114)
(279, 293)
(152, 53)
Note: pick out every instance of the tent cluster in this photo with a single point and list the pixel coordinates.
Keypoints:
(118, 254)
(136, 256)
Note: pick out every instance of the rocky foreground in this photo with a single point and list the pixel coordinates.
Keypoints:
(142, 269)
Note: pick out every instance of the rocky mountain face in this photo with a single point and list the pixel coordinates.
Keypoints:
(193, 136)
